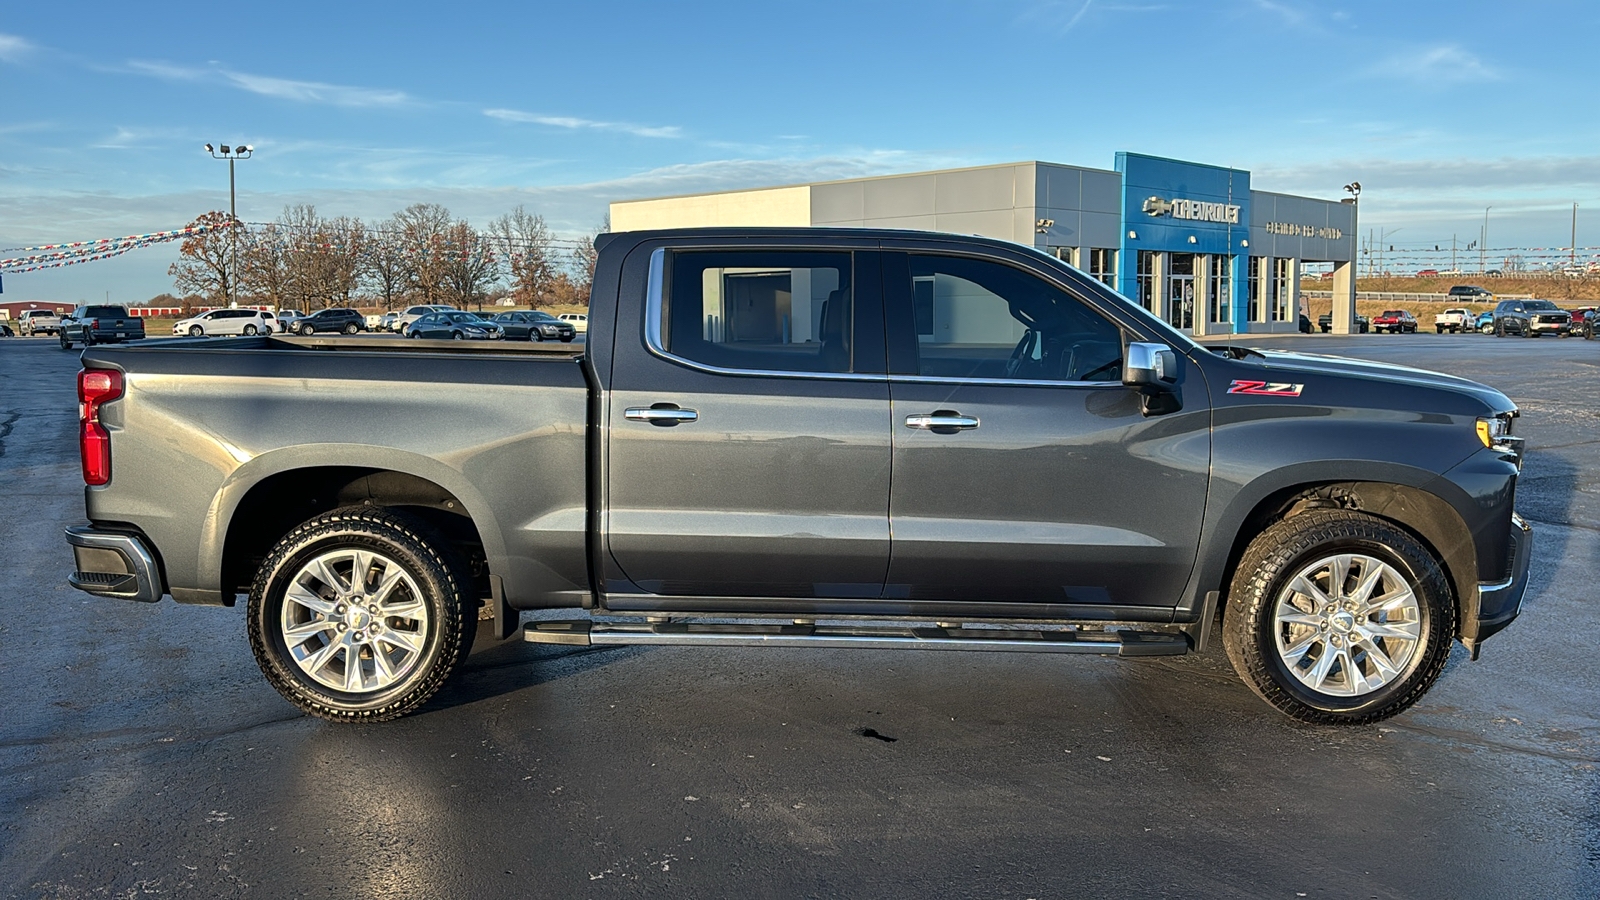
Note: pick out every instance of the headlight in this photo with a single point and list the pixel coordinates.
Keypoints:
(1495, 433)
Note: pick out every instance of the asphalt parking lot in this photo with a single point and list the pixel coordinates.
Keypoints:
(142, 752)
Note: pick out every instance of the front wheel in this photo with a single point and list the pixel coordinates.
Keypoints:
(250, 331)
(1338, 617)
(196, 331)
(65, 344)
(360, 614)
(307, 330)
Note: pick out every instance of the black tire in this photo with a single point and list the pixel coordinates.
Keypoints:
(65, 344)
(196, 331)
(1588, 332)
(351, 328)
(1499, 328)
(457, 336)
(307, 330)
(1528, 332)
(444, 589)
(1276, 556)
(250, 331)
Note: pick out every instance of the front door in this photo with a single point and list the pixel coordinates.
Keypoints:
(1024, 471)
(749, 436)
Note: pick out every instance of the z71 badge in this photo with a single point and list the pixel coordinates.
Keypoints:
(1266, 388)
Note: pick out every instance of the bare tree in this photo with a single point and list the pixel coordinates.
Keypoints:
(422, 228)
(265, 275)
(583, 260)
(468, 264)
(384, 263)
(205, 264)
(523, 242)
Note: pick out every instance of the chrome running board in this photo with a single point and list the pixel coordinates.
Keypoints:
(587, 632)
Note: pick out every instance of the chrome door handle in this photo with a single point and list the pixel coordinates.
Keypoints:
(659, 415)
(941, 419)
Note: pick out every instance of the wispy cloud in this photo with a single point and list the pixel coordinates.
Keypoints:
(280, 88)
(573, 123)
(1440, 65)
(14, 49)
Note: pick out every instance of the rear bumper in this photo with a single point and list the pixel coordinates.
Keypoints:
(114, 564)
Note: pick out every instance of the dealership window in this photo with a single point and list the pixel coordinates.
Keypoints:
(1220, 288)
(1180, 287)
(990, 320)
(1145, 280)
(1103, 266)
(776, 310)
(1253, 282)
(1068, 255)
(1280, 289)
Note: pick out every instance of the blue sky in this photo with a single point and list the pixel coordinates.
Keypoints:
(361, 109)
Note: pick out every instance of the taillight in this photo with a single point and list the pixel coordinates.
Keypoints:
(95, 386)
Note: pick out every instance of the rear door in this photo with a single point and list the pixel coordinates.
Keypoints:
(748, 432)
(1026, 478)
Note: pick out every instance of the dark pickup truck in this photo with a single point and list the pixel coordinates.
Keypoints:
(89, 325)
(810, 438)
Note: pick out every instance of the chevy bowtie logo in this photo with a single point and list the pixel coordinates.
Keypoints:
(1156, 206)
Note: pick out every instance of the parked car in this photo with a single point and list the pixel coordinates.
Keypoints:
(1395, 321)
(579, 321)
(1484, 323)
(1353, 519)
(456, 325)
(100, 324)
(38, 321)
(1470, 292)
(402, 322)
(1325, 323)
(1530, 318)
(288, 319)
(386, 322)
(218, 322)
(1454, 320)
(534, 325)
(1428, 273)
(5, 330)
(339, 319)
(1305, 324)
(1582, 321)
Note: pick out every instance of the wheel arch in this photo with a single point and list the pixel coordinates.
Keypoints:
(1425, 515)
(253, 511)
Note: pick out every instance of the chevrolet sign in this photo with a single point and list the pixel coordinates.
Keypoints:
(1193, 210)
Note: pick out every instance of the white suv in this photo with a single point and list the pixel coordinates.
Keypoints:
(402, 322)
(580, 322)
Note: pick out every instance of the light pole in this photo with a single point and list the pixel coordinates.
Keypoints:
(239, 151)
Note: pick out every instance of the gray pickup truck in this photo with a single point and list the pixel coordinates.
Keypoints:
(810, 438)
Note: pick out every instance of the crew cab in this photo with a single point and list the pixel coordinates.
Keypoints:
(1397, 321)
(810, 438)
(39, 321)
(1455, 321)
(89, 325)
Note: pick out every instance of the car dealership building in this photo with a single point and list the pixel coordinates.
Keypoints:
(1194, 243)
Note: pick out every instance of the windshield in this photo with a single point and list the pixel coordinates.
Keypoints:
(470, 318)
(1539, 304)
(105, 311)
(1393, 313)
(544, 317)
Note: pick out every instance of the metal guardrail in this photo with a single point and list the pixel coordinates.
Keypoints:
(1399, 297)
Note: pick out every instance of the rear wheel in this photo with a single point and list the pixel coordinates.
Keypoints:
(351, 328)
(360, 614)
(1338, 617)
(65, 344)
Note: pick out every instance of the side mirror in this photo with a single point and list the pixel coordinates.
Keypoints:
(1152, 369)
(1150, 366)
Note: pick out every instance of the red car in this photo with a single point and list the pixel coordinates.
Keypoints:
(1398, 321)
(1583, 321)
(1428, 273)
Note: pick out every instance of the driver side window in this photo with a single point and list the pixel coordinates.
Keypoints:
(982, 319)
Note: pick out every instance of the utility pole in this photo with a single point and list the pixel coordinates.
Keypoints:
(1574, 247)
(1483, 243)
(1452, 253)
(241, 151)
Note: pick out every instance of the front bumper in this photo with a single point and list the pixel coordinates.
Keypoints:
(1548, 327)
(1499, 602)
(114, 564)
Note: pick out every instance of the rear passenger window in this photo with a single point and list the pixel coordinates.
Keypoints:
(760, 310)
(981, 319)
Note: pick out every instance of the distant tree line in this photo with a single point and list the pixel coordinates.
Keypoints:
(421, 254)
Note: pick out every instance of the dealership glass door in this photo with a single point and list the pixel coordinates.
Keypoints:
(1180, 287)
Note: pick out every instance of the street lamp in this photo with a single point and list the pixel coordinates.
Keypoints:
(1354, 189)
(238, 151)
